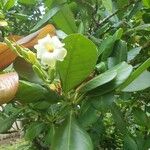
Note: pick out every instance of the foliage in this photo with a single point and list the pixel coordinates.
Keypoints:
(92, 99)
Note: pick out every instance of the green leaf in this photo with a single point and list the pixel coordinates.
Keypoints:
(123, 72)
(49, 136)
(99, 80)
(146, 17)
(135, 74)
(81, 28)
(79, 63)
(118, 118)
(9, 4)
(31, 92)
(147, 143)
(33, 130)
(28, 2)
(104, 102)
(146, 3)
(58, 2)
(108, 5)
(136, 8)
(120, 51)
(6, 123)
(46, 17)
(118, 34)
(41, 105)
(144, 27)
(101, 67)
(140, 83)
(26, 72)
(129, 143)
(121, 3)
(107, 44)
(71, 137)
(133, 53)
(65, 20)
(140, 117)
(88, 115)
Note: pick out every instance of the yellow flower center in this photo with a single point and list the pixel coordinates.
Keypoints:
(49, 47)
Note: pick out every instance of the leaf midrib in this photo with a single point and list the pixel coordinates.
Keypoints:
(69, 132)
(68, 68)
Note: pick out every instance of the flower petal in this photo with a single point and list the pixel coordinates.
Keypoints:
(40, 50)
(60, 54)
(48, 59)
(56, 42)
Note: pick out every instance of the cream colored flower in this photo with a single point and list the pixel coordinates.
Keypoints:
(49, 50)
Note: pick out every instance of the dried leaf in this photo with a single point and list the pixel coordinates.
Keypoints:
(8, 86)
(32, 39)
(7, 56)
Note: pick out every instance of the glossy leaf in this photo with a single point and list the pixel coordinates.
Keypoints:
(103, 103)
(71, 137)
(133, 53)
(9, 4)
(99, 81)
(107, 44)
(146, 3)
(33, 130)
(30, 92)
(79, 63)
(135, 9)
(143, 27)
(123, 72)
(130, 143)
(140, 83)
(118, 118)
(6, 124)
(49, 135)
(26, 72)
(108, 5)
(27, 2)
(65, 20)
(8, 87)
(140, 117)
(135, 74)
(147, 143)
(121, 3)
(120, 51)
(88, 115)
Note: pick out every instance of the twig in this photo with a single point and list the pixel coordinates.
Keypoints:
(116, 12)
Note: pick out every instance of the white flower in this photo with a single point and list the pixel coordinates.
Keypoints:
(49, 50)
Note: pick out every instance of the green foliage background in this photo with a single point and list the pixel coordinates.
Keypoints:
(121, 31)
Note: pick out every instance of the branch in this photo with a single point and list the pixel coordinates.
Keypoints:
(116, 12)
